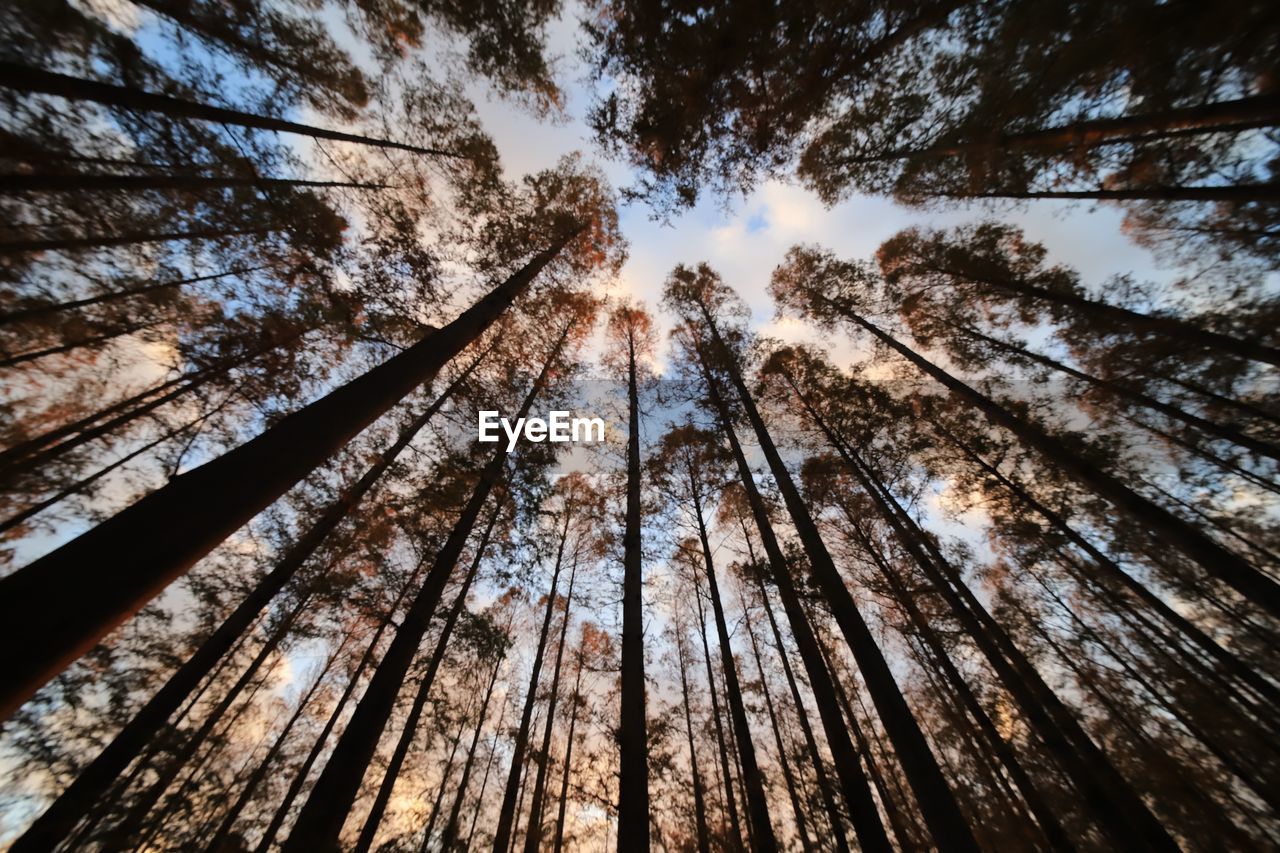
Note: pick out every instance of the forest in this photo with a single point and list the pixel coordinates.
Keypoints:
(937, 344)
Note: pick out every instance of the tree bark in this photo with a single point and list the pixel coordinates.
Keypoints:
(699, 800)
(449, 837)
(57, 608)
(1239, 194)
(36, 81)
(79, 182)
(633, 745)
(129, 238)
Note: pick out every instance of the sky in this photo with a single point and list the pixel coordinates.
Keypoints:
(744, 239)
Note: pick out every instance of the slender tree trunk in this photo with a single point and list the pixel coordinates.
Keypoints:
(300, 778)
(752, 781)
(444, 779)
(410, 730)
(83, 343)
(1226, 432)
(1234, 115)
(35, 452)
(633, 740)
(533, 834)
(449, 838)
(73, 182)
(730, 801)
(802, 715)
(37, 312)
(57, 608)
(94, 780)
(129, 238)
(35, 81)
(853, 783)
(504, 836)
(484, 782)
(1217, 561)
(937, 804)
(228, 823)
(1237, 193)
(802, 828)
(699, 800)
(1173, 327)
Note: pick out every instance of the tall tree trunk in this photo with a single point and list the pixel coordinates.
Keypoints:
(79, 182)
(1226, 432)
(699, 800)
(533, 834)
(83, 343)
(35, 81)
(853, 783)
(504, 835)
(484, 782)
(1217, 561)
(797, 809)
(228, 823)
(410, 730)
(129, 238)
(1233, 115)
(23, 315)
(444, 780)
(449, 838)
(1237, 193)
(300, 778)
(937, 804)
(633, 740)
(57, 608)
(94, 780)
(757, 802)
(726, 775)
(1173, 327)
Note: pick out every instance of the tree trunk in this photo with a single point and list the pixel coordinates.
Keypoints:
(937, 804)
(35, 81)
(802, 828)
(699, 800)
(504, 836)
(57, 608)
(444, 779)
(533, 834)
(23, 315)
(1234, 115)
(73, 182)
(757, 802)
(133, 238)
(449, 838)
(853, 783)
(1217, 561)
(1238, 194)
(84, 343)
(633, 740)
(484, 782)
(730, 801)
(410, 730)
(94, 780)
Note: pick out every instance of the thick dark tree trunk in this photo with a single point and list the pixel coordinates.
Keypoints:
(449, 838)
(504, 835)
(23, 315)
(633, 741)
(802, 827)
(699, 799)
(937, 804)
(409, 733)
(533, 834)
(757, 803)
(57, 608)
(94, 780)
(853, 783)
(72, 182)
(36, 81)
